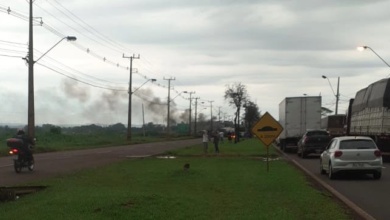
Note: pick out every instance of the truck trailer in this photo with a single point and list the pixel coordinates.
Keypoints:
(297, 115)
(369, 114)
(334, 124)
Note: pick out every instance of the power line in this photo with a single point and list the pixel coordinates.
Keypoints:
(78, 80)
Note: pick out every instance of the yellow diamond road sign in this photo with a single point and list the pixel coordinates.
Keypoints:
(267, 129)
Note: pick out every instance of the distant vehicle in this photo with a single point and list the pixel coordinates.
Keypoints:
(351, 154)
(313, 142)
(296, 116)
(334, 124)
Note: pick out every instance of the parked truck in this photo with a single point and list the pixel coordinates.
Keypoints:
(369, 114)
(297, 115)
(334, 124)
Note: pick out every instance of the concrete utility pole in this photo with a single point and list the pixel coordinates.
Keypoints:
(337, 95)
(189, 120)
(30, 60)
(196, 114)
(130, 95)
(169, 101)
(31, 107)
(211, 114)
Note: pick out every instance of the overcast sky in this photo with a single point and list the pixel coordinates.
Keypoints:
(276, 49)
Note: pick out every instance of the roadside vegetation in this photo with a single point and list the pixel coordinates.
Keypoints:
(234, 184)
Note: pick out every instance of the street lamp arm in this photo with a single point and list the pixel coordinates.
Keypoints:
(324, 77)
(178, 95)
(69, 38)
(153, 80)
(365, 47)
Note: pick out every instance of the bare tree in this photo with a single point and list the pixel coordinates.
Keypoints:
(236, 95)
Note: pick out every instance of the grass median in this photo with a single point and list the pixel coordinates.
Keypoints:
(234, 184)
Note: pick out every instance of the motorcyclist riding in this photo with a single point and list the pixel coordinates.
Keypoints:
(28, 143)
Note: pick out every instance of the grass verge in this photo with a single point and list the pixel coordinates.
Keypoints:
(232, 185)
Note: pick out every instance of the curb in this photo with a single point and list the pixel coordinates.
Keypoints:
(355, 208)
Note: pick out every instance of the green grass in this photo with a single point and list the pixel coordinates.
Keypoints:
(232, 185)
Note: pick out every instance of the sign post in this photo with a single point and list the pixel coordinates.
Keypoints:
(267, 129)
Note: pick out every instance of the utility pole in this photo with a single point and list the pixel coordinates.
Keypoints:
(196, 114)
(143, 119)
(189, 120)
(169, 101)
(130, 94)
(337, 95)
(211, 113)
(31, 107)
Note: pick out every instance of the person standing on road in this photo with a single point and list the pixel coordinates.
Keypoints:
(216, 138)
(205, 140)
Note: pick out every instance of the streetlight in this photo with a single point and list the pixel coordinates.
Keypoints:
(168, 115)
(68, 38)
(30, 60)
(211, 114)
(130, 108)
(337, 94)
(153, 80)
(361, 48)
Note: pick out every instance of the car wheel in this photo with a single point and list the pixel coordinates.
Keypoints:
(299, 152)
(322, 171)
(330, 172)
(377, 175)
(304, 154)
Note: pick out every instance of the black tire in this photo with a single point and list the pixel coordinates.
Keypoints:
(299, 152)
(330, 172)
(31, 165)
(17, 166)
(322, 171)
(377, 175)
(304, 154)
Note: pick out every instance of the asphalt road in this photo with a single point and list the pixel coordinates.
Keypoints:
(372, 196)
(49, 165)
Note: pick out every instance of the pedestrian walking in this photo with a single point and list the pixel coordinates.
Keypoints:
(205, 140)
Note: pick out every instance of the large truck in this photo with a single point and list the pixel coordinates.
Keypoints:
(334, 124)
(297, 115)
(369, 114)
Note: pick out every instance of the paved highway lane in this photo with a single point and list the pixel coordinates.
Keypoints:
(54, 164)
(373, 196)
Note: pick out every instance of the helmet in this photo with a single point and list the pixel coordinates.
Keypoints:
(20, 132)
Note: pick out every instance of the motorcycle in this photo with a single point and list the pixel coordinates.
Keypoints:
(23, 160)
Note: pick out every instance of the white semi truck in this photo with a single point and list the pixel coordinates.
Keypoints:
(297, 115)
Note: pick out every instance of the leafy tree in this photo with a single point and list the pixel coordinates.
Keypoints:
(251, 115)
(236, 94)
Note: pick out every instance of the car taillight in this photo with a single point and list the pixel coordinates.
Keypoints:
(338, 153)
(378, 153)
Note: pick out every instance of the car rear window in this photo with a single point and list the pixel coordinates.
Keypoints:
(357, 144)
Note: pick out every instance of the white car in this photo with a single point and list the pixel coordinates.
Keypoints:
(351, 154)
